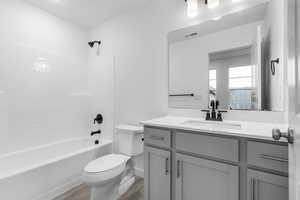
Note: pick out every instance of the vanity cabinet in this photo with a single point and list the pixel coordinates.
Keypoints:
(268, 156)
(191, 165)
(201, 179)
(215, 147)
(158, 137)
(266, 186)
(158, 174)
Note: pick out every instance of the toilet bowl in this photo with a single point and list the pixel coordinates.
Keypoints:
(105, 174)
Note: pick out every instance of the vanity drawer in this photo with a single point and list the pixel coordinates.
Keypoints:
(268, 156)
(217, 147)
(158, 137)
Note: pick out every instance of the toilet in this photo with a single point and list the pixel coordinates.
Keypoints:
(111, 175)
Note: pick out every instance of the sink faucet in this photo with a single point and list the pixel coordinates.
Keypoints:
(213, 114)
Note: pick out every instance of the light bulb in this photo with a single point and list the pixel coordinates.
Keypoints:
(213, 3)
(192, 8)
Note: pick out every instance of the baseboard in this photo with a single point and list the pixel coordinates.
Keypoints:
(60, 190)
(139, 172)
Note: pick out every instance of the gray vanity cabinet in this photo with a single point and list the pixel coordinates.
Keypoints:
(157, 174)
(190, 165)
(266, 186)
(201, 179)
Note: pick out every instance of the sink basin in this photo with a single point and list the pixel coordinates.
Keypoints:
(212, 124)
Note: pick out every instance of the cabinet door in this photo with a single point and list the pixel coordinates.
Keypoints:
(265, 186)
(157, 174)
(201, 179)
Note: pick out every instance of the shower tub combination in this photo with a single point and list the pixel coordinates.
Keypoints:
(43, 172)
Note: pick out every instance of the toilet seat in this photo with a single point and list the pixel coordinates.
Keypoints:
(105, 168)
(108, 162)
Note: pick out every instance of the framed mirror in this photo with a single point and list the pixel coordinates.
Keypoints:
(236, 59)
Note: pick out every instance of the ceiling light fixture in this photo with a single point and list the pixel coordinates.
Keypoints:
(236, 1)
(213, 3)
(192, 8)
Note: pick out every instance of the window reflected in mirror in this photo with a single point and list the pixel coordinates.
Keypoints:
(212, 84)
(242, 88)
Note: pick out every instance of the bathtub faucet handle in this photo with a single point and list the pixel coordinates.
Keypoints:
(98, 119)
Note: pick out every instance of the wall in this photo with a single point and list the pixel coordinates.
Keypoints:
(273, 45)
(134, 60)
(189, 60)
(101, 84)
(136, 47)
(43, 78)
(134, 54)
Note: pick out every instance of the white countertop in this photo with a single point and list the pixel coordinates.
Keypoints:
(255, 130)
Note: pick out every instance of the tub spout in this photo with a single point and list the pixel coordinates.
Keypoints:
(96, 132)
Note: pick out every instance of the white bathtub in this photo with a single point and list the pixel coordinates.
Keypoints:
(43, 172)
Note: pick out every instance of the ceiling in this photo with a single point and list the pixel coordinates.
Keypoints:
(87, 13)
(90, 13)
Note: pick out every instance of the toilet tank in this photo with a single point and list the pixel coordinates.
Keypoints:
(130, 139)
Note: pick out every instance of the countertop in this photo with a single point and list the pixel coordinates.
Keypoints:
(254, 130)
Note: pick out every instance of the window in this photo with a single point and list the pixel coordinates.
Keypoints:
(241, 77)
(213, 79)
(212, 84)
(242, 87)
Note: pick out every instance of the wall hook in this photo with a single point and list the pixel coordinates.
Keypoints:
(273, 67)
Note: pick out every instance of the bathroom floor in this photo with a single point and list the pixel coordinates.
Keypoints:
(136, 192)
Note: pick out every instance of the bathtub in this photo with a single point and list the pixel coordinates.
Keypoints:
(44, 172)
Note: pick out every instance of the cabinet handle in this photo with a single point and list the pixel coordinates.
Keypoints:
(154, 137)
(167, 166)
(274, 158)
(178, 168)
(253, 189)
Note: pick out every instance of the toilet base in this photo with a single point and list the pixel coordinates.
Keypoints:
(125, 185)
(106, 191)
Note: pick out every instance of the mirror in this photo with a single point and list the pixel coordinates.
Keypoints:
(236, 59)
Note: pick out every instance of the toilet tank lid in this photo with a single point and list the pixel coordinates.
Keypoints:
(132, 128)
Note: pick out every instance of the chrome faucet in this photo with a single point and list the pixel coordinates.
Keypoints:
(213, 114)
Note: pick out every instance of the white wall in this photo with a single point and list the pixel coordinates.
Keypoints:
(101, 81)
(40, 107)
(134, 53)
(127, 83)
(273, 49)
(189, 60)
(137, 47)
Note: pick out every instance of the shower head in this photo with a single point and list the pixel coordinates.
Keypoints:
(92, 43)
